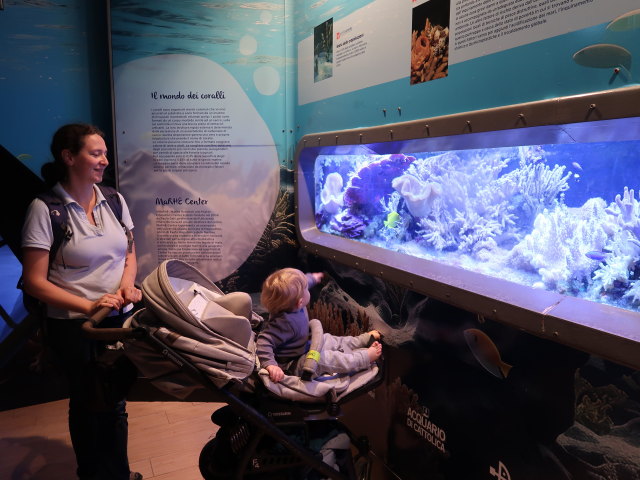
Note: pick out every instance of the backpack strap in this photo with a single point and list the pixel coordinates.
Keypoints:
(61, 232)
(113, 199)
(59, 221)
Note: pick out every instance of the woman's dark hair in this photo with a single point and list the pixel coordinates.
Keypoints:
(68, 137)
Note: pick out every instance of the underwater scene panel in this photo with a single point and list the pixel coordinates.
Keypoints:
(559, 217)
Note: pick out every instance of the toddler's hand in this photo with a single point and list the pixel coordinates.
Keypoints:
(130, 294)
(317, 276)
(275, 373)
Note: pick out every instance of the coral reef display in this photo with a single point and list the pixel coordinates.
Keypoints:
(560, 217)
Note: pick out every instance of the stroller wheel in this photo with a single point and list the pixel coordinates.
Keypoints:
(217, 460)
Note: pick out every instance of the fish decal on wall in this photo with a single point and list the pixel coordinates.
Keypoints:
(603, 55)
(626, 21)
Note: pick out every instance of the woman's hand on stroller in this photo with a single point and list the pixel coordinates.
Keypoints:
(108, 301)
(275, 373)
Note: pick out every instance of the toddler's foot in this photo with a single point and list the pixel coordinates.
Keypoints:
(374, 351)
(374, 336)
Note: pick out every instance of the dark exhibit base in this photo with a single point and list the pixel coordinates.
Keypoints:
(452, 408)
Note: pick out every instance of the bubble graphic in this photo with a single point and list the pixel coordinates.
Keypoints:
(266, 80)
(248, 45)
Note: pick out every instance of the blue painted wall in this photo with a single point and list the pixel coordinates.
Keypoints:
(54, 69)
(540, 70)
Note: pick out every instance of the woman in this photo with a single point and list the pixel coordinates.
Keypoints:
(95, 267)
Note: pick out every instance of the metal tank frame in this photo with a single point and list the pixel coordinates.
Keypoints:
(609, 332)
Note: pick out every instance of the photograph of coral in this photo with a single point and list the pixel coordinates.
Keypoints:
(430, 41)
(323, 51)
(558, 217)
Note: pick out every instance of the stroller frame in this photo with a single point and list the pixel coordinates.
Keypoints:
(257, 428)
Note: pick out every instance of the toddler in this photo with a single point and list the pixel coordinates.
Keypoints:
(285, 336)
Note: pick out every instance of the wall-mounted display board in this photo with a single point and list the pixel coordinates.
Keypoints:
(197, 116)
(527, 214)
(387, 61)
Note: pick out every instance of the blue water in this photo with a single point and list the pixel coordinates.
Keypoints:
(54, 71)
(560, 217)
(214, 31)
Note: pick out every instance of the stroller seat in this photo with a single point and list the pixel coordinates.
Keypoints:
(214, 332)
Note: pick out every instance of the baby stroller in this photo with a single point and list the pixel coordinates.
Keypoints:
(194, 343)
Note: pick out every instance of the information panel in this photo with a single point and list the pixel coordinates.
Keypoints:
(197, 163)
(387, 40)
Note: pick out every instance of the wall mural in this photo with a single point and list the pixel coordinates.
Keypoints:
(464, 397)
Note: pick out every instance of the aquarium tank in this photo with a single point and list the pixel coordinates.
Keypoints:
(562, 217)
(538, 227)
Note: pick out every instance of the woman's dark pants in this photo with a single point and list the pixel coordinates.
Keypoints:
(98, 428)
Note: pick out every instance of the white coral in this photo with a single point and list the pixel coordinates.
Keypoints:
(633, 294)
(626, 212)
(474, 205)
(418, 195)
(556, 247)
(613, 273)
(331, 194)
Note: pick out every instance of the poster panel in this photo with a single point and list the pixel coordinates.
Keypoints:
(388, 40)
(197, 164)
(199, 107)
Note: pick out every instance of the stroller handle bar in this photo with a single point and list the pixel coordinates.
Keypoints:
(91, 331)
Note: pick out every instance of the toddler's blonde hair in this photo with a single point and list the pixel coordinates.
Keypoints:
(282, 290)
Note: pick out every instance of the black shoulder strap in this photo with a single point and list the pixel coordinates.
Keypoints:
(59, 221)
(113, 199)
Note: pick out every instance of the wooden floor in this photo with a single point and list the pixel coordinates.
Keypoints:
(165, 439)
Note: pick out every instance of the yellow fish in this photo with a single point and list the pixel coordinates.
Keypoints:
(392, 220)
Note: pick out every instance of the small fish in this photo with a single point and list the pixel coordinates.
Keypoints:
(576, 165)
(24, 156)
(627, 21)
(486, 352)
(603, 55)
(597, 255)
(392, 220)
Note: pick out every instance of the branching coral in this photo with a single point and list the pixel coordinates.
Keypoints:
(593, 249)
(614, 273)
(557, 246)
(633, 294)
(626, 214)
(539, 184)
(438, 233)
(474, 204)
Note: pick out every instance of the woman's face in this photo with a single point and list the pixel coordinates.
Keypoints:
(90, 162)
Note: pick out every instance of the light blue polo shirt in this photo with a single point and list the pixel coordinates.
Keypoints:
(91, 262)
